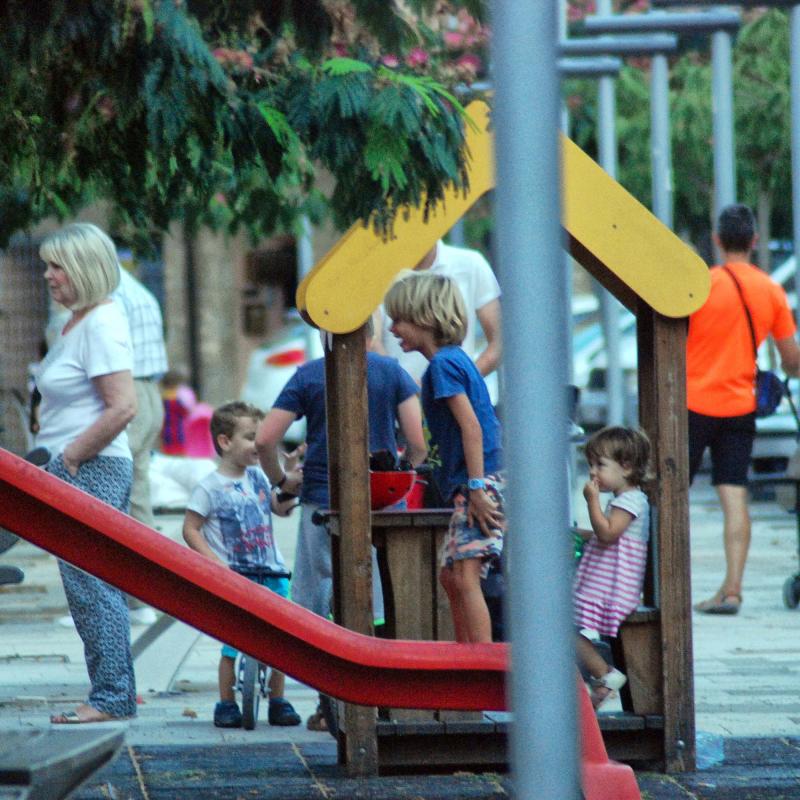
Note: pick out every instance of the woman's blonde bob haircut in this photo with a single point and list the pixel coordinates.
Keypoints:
(88, 257)
(431, 301)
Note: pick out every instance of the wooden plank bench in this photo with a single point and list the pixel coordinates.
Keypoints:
(50, 765)
(416, 607)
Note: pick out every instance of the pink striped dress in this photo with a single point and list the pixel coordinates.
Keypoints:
(608, 582)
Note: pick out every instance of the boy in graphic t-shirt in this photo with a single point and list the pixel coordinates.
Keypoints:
(228, 519)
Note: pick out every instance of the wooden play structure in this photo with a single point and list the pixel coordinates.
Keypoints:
(658, 278)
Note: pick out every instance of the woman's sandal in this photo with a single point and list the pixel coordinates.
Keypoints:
(74, 718)
(727, 604)
(603, 689)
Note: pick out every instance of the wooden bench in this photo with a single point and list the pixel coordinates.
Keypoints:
(637, 651)
(416, 607)
(50, 765)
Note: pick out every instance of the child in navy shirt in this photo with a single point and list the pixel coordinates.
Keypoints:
(429, 317)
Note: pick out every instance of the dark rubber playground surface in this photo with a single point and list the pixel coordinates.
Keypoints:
(753, 769)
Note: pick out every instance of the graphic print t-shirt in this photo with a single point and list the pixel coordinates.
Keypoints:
(238, 522)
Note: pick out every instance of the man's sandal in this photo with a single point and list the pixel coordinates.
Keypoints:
(316, 722)
(728, 604)
(603, 689)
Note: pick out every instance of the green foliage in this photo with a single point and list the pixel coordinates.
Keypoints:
(218, 113)
(762, 136)
(761, 78)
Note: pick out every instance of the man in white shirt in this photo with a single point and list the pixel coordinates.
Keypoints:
(478, 284)
(149, 365)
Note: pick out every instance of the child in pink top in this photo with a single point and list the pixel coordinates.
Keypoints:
(608, 582)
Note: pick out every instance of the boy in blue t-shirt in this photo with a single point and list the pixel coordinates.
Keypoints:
(228, 519)
(429, 317)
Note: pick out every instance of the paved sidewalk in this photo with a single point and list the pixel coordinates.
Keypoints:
(746, 681)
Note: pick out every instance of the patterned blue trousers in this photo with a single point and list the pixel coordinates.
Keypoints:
(99, 610)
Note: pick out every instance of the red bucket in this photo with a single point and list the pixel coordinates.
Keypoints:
(388, 488)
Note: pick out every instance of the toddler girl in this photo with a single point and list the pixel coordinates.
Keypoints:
(608, 583)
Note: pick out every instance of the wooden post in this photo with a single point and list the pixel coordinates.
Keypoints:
(348, 476)
(662, 412)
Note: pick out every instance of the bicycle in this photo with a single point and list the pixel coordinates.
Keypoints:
(251, 674)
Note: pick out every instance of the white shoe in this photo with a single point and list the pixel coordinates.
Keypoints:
(66, 622)
(603, 689)
(142, 616)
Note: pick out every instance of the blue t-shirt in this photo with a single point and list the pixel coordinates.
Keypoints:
(388, 385)
(452, 372)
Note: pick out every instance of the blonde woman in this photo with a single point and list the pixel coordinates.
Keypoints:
(88, 399)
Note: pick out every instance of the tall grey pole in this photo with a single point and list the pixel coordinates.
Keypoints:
(660, 146)
(304, 263)
(794, 22)
(542, 680)
(609, 306)
(722, 113)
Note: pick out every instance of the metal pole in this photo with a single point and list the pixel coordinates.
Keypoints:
(660, 148)
(794, 31)
(609, 305)
(305, 262)
(722, 113)
(542, 681)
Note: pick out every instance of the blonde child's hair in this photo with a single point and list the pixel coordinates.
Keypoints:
(430, 301)
(629, 447)
(88, 257)
(225, 418)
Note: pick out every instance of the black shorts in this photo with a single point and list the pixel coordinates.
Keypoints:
(730, 440)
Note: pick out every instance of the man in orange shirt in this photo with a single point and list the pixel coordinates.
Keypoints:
(720, 380)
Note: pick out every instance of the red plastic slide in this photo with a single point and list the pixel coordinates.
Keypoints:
(360, 669)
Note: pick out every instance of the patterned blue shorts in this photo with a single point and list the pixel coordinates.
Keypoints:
(278, 585)
(464, 541)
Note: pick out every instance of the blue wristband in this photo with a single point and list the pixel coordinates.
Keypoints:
(476, 483)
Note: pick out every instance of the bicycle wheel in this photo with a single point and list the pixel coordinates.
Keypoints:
(251, 692)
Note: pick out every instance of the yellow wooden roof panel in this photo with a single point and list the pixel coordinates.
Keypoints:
(631, 241)
(350, 281)
(616, 230)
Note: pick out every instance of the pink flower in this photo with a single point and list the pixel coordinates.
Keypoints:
(340, 48)
(390, 61)
(453, 39)
(470, 62)
(417, 57)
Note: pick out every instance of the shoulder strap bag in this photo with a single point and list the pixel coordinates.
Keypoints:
(770, 389)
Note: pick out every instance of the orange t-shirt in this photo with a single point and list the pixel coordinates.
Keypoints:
(720, 370)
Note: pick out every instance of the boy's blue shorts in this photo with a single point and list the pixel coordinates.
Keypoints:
(278, 585)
